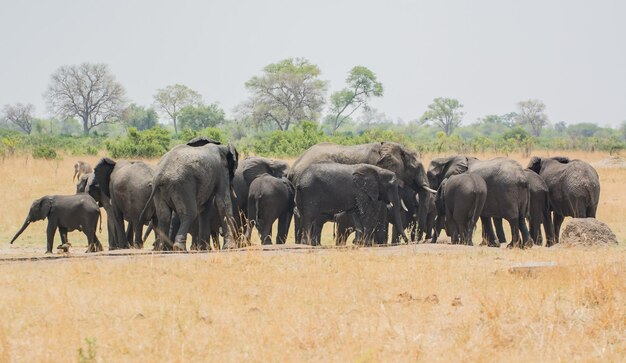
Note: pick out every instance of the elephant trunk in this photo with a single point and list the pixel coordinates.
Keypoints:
(397, 215)
(26, 223)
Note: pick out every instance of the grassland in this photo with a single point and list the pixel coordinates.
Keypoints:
(417, 302)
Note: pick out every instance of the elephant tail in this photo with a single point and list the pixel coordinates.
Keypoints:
(142, 215)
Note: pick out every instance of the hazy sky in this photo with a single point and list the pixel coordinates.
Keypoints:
(488, 54)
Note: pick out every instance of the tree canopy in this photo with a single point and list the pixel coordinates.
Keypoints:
(87, 91)
(361, 86)
(532, 113)
(172, 99)
(287, 93)
(139, 117)
(445, 113)
(200, 117)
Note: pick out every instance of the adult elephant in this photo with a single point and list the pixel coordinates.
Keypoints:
(387, 155)
(574, 187)
(325, 189)
(127, 184)
(190, 180)
(508, 194)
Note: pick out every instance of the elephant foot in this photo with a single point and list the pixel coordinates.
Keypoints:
(180, 246)
(495, 245)
(49, 252)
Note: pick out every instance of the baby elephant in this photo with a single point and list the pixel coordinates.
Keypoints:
(81, 168)
(460, 201)
(270, 198)
(66, 213)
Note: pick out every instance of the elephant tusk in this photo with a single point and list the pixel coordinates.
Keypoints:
(431, 190)
(403, 205)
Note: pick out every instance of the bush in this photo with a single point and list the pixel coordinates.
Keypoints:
(149, 143)
(44, 152)
(289, 143)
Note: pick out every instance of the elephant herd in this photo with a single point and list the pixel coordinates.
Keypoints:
(202, 189)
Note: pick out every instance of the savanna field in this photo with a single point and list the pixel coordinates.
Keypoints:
(405, 303)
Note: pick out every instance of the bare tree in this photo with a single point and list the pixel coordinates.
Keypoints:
(444, 113)
(87, 91)
(171, 99)
(531, 113)
(20, 115)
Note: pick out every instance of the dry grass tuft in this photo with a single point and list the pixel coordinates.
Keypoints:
(424, 302)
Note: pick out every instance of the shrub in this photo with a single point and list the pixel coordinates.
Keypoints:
(44, 152)
(149, 143)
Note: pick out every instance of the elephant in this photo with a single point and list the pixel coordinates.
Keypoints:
(410, 206)
(66, 213)
(460, 201)
(81, 168)
(425, 230)
(270, 198)
(539, 212)
(346, 223)
(88, 184)
(127, 185)
(573, 187)
(249, 169)
(508, 193)
(190, 180)
(387, 155)
(325, 189)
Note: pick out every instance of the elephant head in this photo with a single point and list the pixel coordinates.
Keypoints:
(255, 166)
(39, 210)
(374, 184)
(102, 173)
(408, 169)
(442, 168)
(230, 154)
(537, 163)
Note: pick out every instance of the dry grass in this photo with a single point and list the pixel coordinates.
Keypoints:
(431, 303)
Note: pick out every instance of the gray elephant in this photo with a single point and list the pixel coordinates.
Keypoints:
(249, 169)
(346, 223)
(574, 188)
(127, 185)
(81, 168)
(325, 189)
(65, 213)
(508, 194)
(190, 180)
(539, 212)
(460, 201)
(88, 184)
(270, 199)
(387, 155)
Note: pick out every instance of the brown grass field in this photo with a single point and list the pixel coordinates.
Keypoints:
(406, 303)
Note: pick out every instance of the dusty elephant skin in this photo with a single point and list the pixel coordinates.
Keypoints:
(587, 232)
(270, 199)
(81, 168)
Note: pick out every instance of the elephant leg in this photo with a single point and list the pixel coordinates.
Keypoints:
(318, 225)
(523, 229)
(204, 229)
(488, 232)
(137, 234)
(558, 221)
(470, 231)
(165, 218)
(50, 232)
(266, 233)
(283, 227)
(63, 234)
(548, 228)
(118, 221)
(497, 222)
(130, 234)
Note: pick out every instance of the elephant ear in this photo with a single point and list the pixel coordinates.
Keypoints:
(254, 167)
(391, 158)
(46, 206)
(367, 184)
(562, 159)
(201, 141)
(535, 164)
(102, 173)
(232, 157)
(440, 200)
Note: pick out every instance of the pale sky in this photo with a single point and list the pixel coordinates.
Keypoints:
(489, 54)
